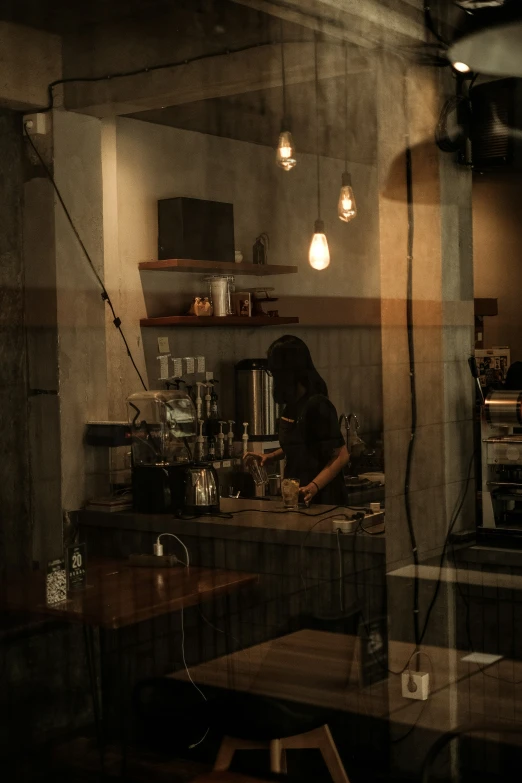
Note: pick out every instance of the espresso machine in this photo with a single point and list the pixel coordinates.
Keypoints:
(501, 457)
(165, 479)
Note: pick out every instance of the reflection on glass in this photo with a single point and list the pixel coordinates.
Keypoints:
(285, 156)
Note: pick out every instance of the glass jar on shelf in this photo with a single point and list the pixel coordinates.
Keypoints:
(220, 289)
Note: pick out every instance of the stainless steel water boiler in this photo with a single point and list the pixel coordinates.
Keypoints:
(255, 400)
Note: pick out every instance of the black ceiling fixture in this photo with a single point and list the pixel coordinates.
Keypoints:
(491, 41)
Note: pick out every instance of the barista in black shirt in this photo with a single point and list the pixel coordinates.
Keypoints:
(309, 433)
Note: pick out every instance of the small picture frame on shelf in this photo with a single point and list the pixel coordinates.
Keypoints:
(242, 303)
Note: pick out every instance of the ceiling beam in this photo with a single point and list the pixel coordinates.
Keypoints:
(366, 23)
(215, 77)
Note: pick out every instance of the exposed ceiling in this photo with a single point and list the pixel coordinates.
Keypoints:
(107, 36)
(62, 16)
(256, 117)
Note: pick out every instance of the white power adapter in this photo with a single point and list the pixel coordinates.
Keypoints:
(416, 685)
(345, 525)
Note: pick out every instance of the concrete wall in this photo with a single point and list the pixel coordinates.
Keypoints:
(156, 162)
(80, 310)
(15, 516)
(30, 60)
(498, 255)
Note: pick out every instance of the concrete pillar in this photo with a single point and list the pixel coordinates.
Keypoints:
(442, 312)
(15, 516)
(410, 99)
(80, 309)
(42, 352)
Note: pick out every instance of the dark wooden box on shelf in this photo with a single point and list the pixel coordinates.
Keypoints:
(195, 228)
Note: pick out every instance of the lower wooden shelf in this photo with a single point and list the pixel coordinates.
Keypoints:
(227, 320)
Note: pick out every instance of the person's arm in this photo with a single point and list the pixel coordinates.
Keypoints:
(340, 459)
(264, 458)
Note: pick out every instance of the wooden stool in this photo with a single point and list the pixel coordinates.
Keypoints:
(320, 738)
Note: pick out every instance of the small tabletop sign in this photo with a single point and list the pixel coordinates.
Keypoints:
(56, 582)
(374, 650)
(76, 567)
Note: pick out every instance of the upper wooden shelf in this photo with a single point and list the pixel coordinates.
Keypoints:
(188, 265)
(227, 320)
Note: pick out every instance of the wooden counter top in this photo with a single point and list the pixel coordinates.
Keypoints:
(253, 520)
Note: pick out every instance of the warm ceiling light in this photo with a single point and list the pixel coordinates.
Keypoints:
(461, 67)
(319, 253)
(285, 153)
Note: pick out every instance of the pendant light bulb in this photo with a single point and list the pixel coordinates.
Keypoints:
(285, 156)
(319, 254)
(346, 208)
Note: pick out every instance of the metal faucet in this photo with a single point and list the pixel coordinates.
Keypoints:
(353, 441)
(343, 418)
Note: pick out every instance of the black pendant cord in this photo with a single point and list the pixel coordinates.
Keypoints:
(283, 78)
(411, 362)
(316, 73)
(345, 106)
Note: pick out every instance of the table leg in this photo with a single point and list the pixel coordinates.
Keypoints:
(90, 652)
(125, 708)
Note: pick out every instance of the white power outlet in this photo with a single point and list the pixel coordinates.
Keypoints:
(416, 685)
(36, 124)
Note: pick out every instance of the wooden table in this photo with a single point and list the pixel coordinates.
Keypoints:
(323, 669)
(118, 595)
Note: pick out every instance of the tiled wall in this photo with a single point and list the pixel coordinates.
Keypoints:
(348, 358)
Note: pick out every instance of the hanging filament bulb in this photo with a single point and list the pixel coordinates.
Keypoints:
(346, 208)
(319, 254)
(285, 156)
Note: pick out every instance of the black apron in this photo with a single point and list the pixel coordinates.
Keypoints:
(306, 458)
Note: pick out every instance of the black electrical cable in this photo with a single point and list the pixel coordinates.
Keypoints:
(318, 164)
(290, 511)
(283, 77)
(147, 69)
(197, 58)
(365, 623)
(104, 294)
(468, 728)
(341, 572)
(397, 740)
(468, 630)
(345, 106)
(453, 522)
(430, 25)
(413, 392)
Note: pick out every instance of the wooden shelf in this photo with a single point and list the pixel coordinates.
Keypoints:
(188, 265)
(227, 320)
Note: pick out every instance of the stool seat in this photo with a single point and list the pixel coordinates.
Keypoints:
(249, 716)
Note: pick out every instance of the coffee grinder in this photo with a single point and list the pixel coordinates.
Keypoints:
(163, 429)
